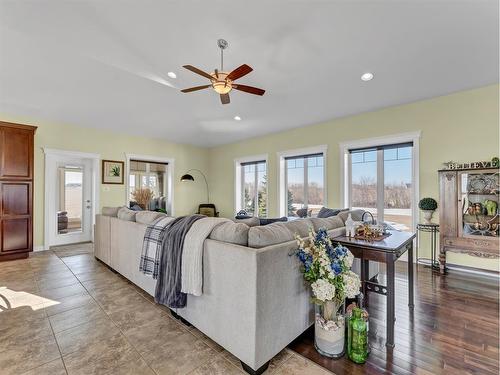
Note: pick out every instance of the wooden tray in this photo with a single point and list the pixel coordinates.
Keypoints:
(383, 237)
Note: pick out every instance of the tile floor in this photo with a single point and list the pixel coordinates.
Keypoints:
(64, 312)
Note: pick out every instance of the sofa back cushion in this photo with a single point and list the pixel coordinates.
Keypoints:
(231, 232)
(267, 235)
(327, 223)
(251, 221)
(110, 211)
(127, 214)
(328, 212)
(147, 217)
(299, 226)
(355, 214)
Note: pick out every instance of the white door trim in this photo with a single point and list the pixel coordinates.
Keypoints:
(381, 141)
(170, 177)
(94, 183)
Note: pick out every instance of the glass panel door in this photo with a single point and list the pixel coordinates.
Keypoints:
(364, 181)
(381, 182)
(478, 193)
(70, 213)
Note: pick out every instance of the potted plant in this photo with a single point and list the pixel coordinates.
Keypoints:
(328, 269)
(428, 206)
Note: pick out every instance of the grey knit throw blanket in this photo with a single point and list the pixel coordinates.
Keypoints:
(169, 284)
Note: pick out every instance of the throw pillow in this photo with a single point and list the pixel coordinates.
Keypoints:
(126, 214)
(265, 221)
(327, 212)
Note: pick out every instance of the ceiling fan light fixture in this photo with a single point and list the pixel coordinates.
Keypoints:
(367, 76)
(172, 75)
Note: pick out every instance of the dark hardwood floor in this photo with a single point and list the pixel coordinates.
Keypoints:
(454, 328)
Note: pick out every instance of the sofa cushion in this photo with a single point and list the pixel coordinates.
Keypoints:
(147, 217)
(231, 232)
(251, 221)
(262, 236)
(127, 214)
(299, 227)
(328, 212)
(327, 223)
(110, 211)
(355, 214)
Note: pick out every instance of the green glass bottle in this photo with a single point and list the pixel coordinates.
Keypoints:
(357, 337)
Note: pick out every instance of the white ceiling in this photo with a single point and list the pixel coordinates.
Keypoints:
(104, 64)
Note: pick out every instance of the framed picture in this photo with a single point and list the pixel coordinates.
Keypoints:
(112, 172)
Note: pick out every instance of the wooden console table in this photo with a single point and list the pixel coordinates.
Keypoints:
(386, 251)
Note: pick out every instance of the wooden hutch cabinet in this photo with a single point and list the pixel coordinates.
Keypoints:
(469, 213)
(16, 190)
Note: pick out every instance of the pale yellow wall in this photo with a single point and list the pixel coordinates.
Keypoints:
(459, 127)
(113, 146)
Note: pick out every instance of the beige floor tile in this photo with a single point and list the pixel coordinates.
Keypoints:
(64, 291)
(93, 274)
(207, 340)
(75, 317)
(54, 275)
(106, 282)
(57, 283)
(297, 365)
(150, 336)
(180, 355)
(77, 338)
(18, 285)
(68, 303)
(23, 332)
(218, 366)
(134, 367)
(100, 357)
(21, 358)
(116, 299)
(21, 314)
(137, 315)
(55, 367)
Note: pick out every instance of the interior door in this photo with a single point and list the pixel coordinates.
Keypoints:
(71, 201)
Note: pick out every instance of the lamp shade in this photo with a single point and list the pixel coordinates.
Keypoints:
(187, 177)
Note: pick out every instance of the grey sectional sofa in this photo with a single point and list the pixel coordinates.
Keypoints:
(254, 300)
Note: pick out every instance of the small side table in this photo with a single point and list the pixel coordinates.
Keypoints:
(433, 229)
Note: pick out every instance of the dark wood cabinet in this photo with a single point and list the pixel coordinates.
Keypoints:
(469, 214)
(16, 190)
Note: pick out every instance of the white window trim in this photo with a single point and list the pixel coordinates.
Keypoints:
(282, 172)
(170, 175)
(238, 175)
(381, 141)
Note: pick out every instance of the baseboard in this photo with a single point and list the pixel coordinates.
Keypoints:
(39, 248)
(466, 269)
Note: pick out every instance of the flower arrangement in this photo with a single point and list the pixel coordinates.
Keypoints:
(328, 269)
(142, 196)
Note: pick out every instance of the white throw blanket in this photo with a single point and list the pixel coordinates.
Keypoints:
(192, 254)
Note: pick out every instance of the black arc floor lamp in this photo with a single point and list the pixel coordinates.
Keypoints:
(187, 177)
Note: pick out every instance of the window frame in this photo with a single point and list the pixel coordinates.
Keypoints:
(238, 181)
(282, 173)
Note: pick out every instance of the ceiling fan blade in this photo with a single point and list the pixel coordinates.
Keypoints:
(216, 73)
(239, 72)
(249, 89)
(196, 88)
(224, 98)
(198, 71)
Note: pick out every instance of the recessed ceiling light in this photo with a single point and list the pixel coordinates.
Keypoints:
(172, 75)
(237, 118)
(367, 77)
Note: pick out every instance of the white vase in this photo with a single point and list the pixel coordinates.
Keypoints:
(428, 216)
(329, 330)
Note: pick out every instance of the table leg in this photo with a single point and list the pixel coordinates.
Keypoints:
(410, 276)
(365, 276)
(390, 304)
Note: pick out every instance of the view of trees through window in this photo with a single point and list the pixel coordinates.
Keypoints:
(254, 184)
(305, 183)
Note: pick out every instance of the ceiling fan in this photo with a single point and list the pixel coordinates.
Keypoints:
(223, 82)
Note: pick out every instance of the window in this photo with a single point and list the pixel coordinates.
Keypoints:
(304, 182)
(148, 175)
(252, 187)
(382, 182)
